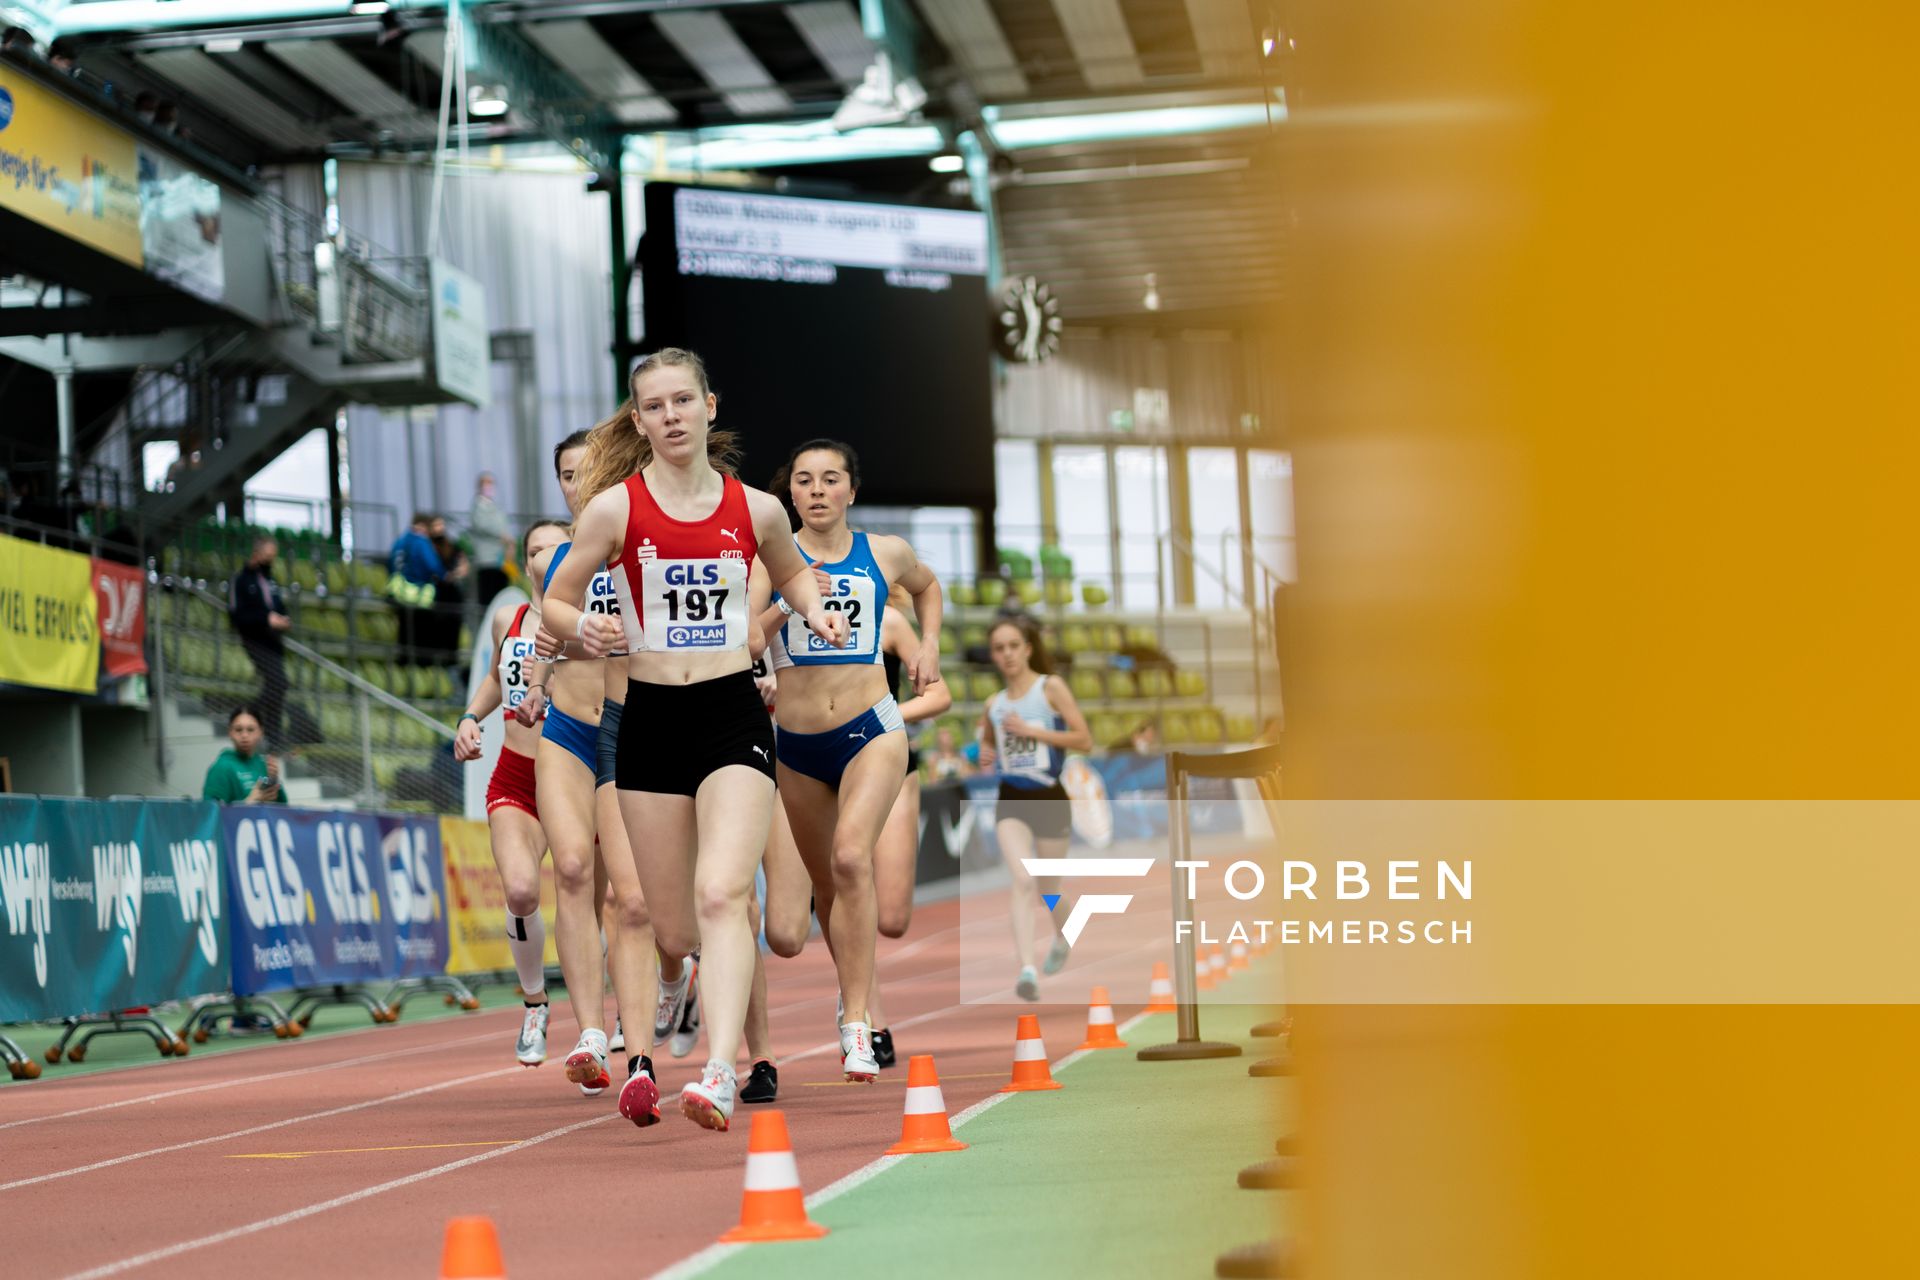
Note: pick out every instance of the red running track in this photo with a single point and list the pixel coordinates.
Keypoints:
(344, 1155)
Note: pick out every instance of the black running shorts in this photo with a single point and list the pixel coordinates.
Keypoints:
(672, 736)
(1047, 811)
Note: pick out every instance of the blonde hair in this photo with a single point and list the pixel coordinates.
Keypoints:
(617, 448)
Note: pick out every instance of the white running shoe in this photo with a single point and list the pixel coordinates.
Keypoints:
(673, 1005)
(856, 1053)
(531, 1049)
(1057, 957)
(587, 1064)
(1028, 988)
(619, 1042)
(708, 1101)
(687, 1034)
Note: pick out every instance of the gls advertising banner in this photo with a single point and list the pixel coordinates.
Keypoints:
(107, 904)
(325, 897)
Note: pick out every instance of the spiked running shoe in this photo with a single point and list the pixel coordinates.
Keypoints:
(687, 1034)
(1028, 988)
(531, 1048)
(640, 1096)
(856, 1053)
(883, 1047)
(587, 1064)
(763, 1085)
(673, 1005)
(708, 1101)
(1057, 956)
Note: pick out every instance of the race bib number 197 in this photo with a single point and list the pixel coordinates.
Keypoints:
(694, 606)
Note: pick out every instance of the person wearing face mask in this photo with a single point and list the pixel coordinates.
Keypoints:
(259, 616)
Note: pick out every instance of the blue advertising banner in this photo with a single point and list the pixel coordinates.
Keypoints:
(416, 893)
(320, 897)
(108, 905)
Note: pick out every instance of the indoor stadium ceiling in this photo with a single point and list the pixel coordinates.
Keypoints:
(267, 80)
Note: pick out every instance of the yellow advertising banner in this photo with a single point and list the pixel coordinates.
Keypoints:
(67, 169)
(477, 915)
(49, 617)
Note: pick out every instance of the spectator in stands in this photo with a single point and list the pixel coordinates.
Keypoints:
(16, 40)
(243, 774)
(452, 594)
(1144, 740)
(945, 760)
(146, 104)
(64, 57)
(492, 541)
(166, 118)
(416, 571)
(259, 616)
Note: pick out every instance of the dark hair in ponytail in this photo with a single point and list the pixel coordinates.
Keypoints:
(782, 483)
(1029, 632)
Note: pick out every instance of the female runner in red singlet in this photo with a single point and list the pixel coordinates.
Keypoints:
(695, 744)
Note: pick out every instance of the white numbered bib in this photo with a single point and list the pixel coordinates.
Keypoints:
(516, 670)
(600, 595)
(1024, 755)
(694, 606)
(853, 599)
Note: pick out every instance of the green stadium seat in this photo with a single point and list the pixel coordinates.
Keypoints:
(1059, 591)
(1175, 729)
(1093, 595)
(963, 594)
(992, 591)
(973, 636)
(1190, 684)
(1142, 638)
(1155, 683)
(1018, 563)
(1241, 728)
(1207, 727)
(1075, 640)
(1028, 590)
(982, 685)
(306, 575)
(1120, 684)
(1086, 685)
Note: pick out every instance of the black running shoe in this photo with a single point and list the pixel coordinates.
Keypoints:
(883, 1047)
(763, 1085)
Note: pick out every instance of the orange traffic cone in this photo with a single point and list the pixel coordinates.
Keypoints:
(1239, 959)
(1160, 990)
(1030, 1071)
(1203, 970)
(471, 1251)
(1100, 1030)
(925, 1128)
(772, 1208)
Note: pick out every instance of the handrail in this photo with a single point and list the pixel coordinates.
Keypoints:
(354, 679)
(1179, 542)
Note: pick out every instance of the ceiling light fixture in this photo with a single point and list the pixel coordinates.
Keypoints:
(225, 44)
(370, 8)
(486, 102)
(946, 162)
(1152, 300)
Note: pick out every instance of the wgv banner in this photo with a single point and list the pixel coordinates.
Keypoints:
(108, 904)
(319, 898)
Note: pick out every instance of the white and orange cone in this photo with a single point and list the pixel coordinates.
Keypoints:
(924, 1128)
(1203, 978)
(1030, 1071)
(1239, 958)
(772, 1207)
(1160, 990)
(1217, 962)
(1101, 1033)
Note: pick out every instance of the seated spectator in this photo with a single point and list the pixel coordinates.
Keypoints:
(16, 40)
(63, 56)
(241, 774)
(1144, 740)
(946, 760)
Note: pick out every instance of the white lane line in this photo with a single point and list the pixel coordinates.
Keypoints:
(295, 1215)
(259, 1128)
(714, 1254)
(431, 1047)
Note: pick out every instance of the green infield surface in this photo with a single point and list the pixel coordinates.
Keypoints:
(1131, 1168)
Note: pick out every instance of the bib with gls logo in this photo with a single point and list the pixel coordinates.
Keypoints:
(516, 670)
(853, 598)
(601, 597)
(694, 606)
